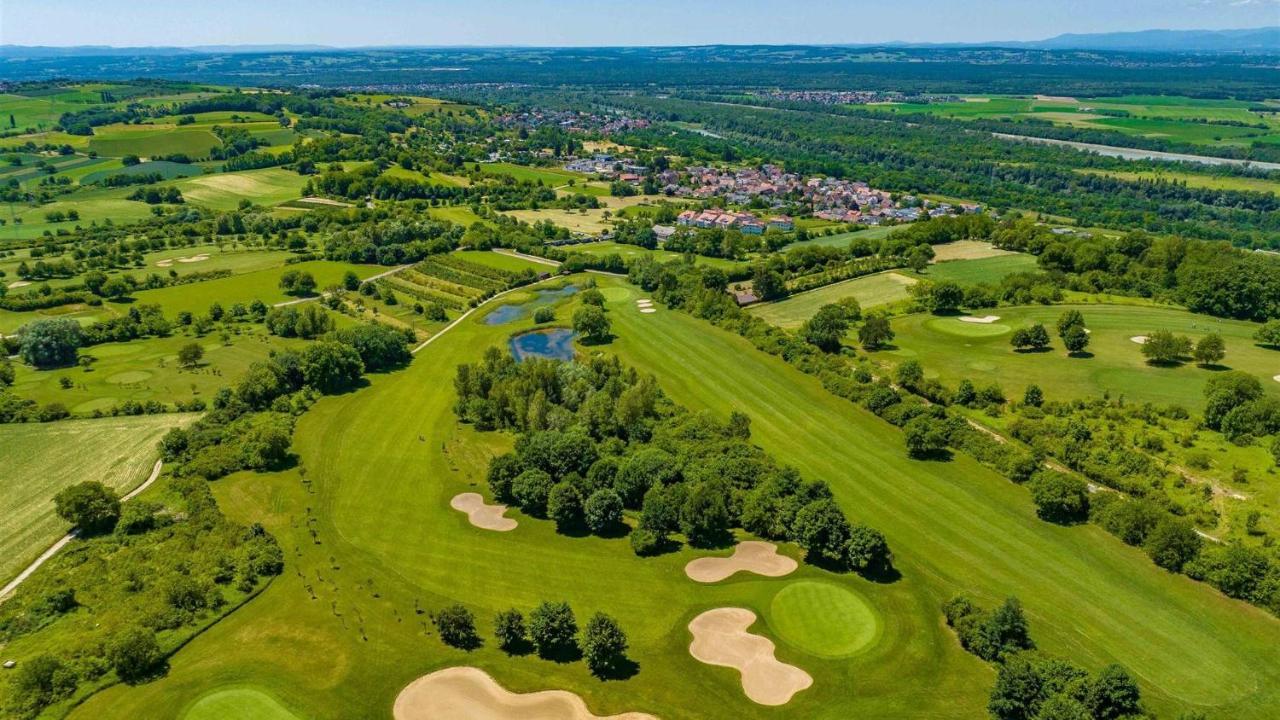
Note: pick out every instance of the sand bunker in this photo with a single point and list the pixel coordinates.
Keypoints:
(648, 310)
(164, 263)
(1140, 339)
(18, 284)
(720, 637)
(487, 517)
(984, 320)
(194, 258)
(753, 556)
(467, 693)
(1276, 378)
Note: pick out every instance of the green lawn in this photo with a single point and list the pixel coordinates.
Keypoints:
(504, 261)
(457, 214)
(628, 252)
(94, 205)
(951, 351)
(344, 629)
(825, 619)
(245, 703)
(41, 459)
(870, 291)
(553, 177)
(262, 285)
(842, 240)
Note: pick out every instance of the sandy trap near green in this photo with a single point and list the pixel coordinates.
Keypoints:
(467, 693)
(720, 637)
(482, 515)
(752, 556)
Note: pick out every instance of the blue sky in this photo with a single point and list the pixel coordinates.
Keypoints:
(598, 22)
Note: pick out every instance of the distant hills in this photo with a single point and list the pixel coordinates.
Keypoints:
(1263, 40)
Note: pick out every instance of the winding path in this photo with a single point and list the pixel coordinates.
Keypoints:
(7, 591)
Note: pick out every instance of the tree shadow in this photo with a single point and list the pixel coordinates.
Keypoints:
(947, 312)
(623, 668)
(1032, 350)
(718, 540)
(519, 648)
(615, 531)
(1214, 367)
(943, 455)
(665, 546)
(561, 653)
(1080, 355)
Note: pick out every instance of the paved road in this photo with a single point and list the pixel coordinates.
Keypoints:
(7, 590)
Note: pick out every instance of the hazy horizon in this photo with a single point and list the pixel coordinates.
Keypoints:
(578, 23)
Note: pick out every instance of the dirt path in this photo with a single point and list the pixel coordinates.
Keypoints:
(7, 590)
(524, 256)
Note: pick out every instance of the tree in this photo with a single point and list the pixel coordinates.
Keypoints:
(767, 284)
(90, 506)
(1070, 319)
(592, 296)
(115, 288)
(822, 530)
(297, 282)
(1210, 350)
(1269, 335)
(704, 516)
(966, 393)
(603, 510)
(1034, 396)
(1163, 347)
(189, 355)
(135, 654)
(604, 645)
(544, 315)
(350, 281)
(875, 332)
(509, 629)
(40, 681)
(1075, 339)
(1226, 392)
(1059, 497)
(1006, 629)
(827, 328)
(1030, 338)
(331, 366)
(866, 549)
(457, 627)
(945, 297)
(554, 629)
(1112, 694)
(1173, 543)
(50, 343)
(380, 347)
(591, 323)
(925, 436)
(94, 280)
(532, 489)
(564, 505)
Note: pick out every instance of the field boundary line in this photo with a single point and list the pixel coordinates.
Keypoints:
(8, 590)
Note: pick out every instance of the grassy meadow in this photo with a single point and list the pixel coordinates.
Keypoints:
(261, 285)
(42, 459)
(871, 291)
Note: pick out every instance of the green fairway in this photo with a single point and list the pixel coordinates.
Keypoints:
(143, 370)
(262, 285)
(982, 270)
(224, 191)
(870, 291)
(952, 350)
(41, 459)
(238, 704)
(824, 619)
(459, 214)
(382, 463)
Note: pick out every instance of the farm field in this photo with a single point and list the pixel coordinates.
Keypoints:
(1152, 116)
(550, 176)
(842, 240)
(388, 543)
(224, 191)
(586, 222)
(150, 141)
(1196, 180)
(951, 351)
(870, 291)
(460, 214)
(261, 285)
(119, 452)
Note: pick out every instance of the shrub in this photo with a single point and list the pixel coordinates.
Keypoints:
(554, 629)
(604, 645)
(509, 629)
(1059, 497)
(603, 510)
(457, 627)
(134, 654)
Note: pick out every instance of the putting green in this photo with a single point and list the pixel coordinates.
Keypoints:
(238, 704)
(823, 619)
(953, 326)
(613, 294)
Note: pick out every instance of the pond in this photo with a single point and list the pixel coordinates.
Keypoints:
(550, 344)
(504, 314)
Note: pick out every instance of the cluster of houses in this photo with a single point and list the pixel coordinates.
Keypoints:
(609, 167)
(744, 222)
(572, 121)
